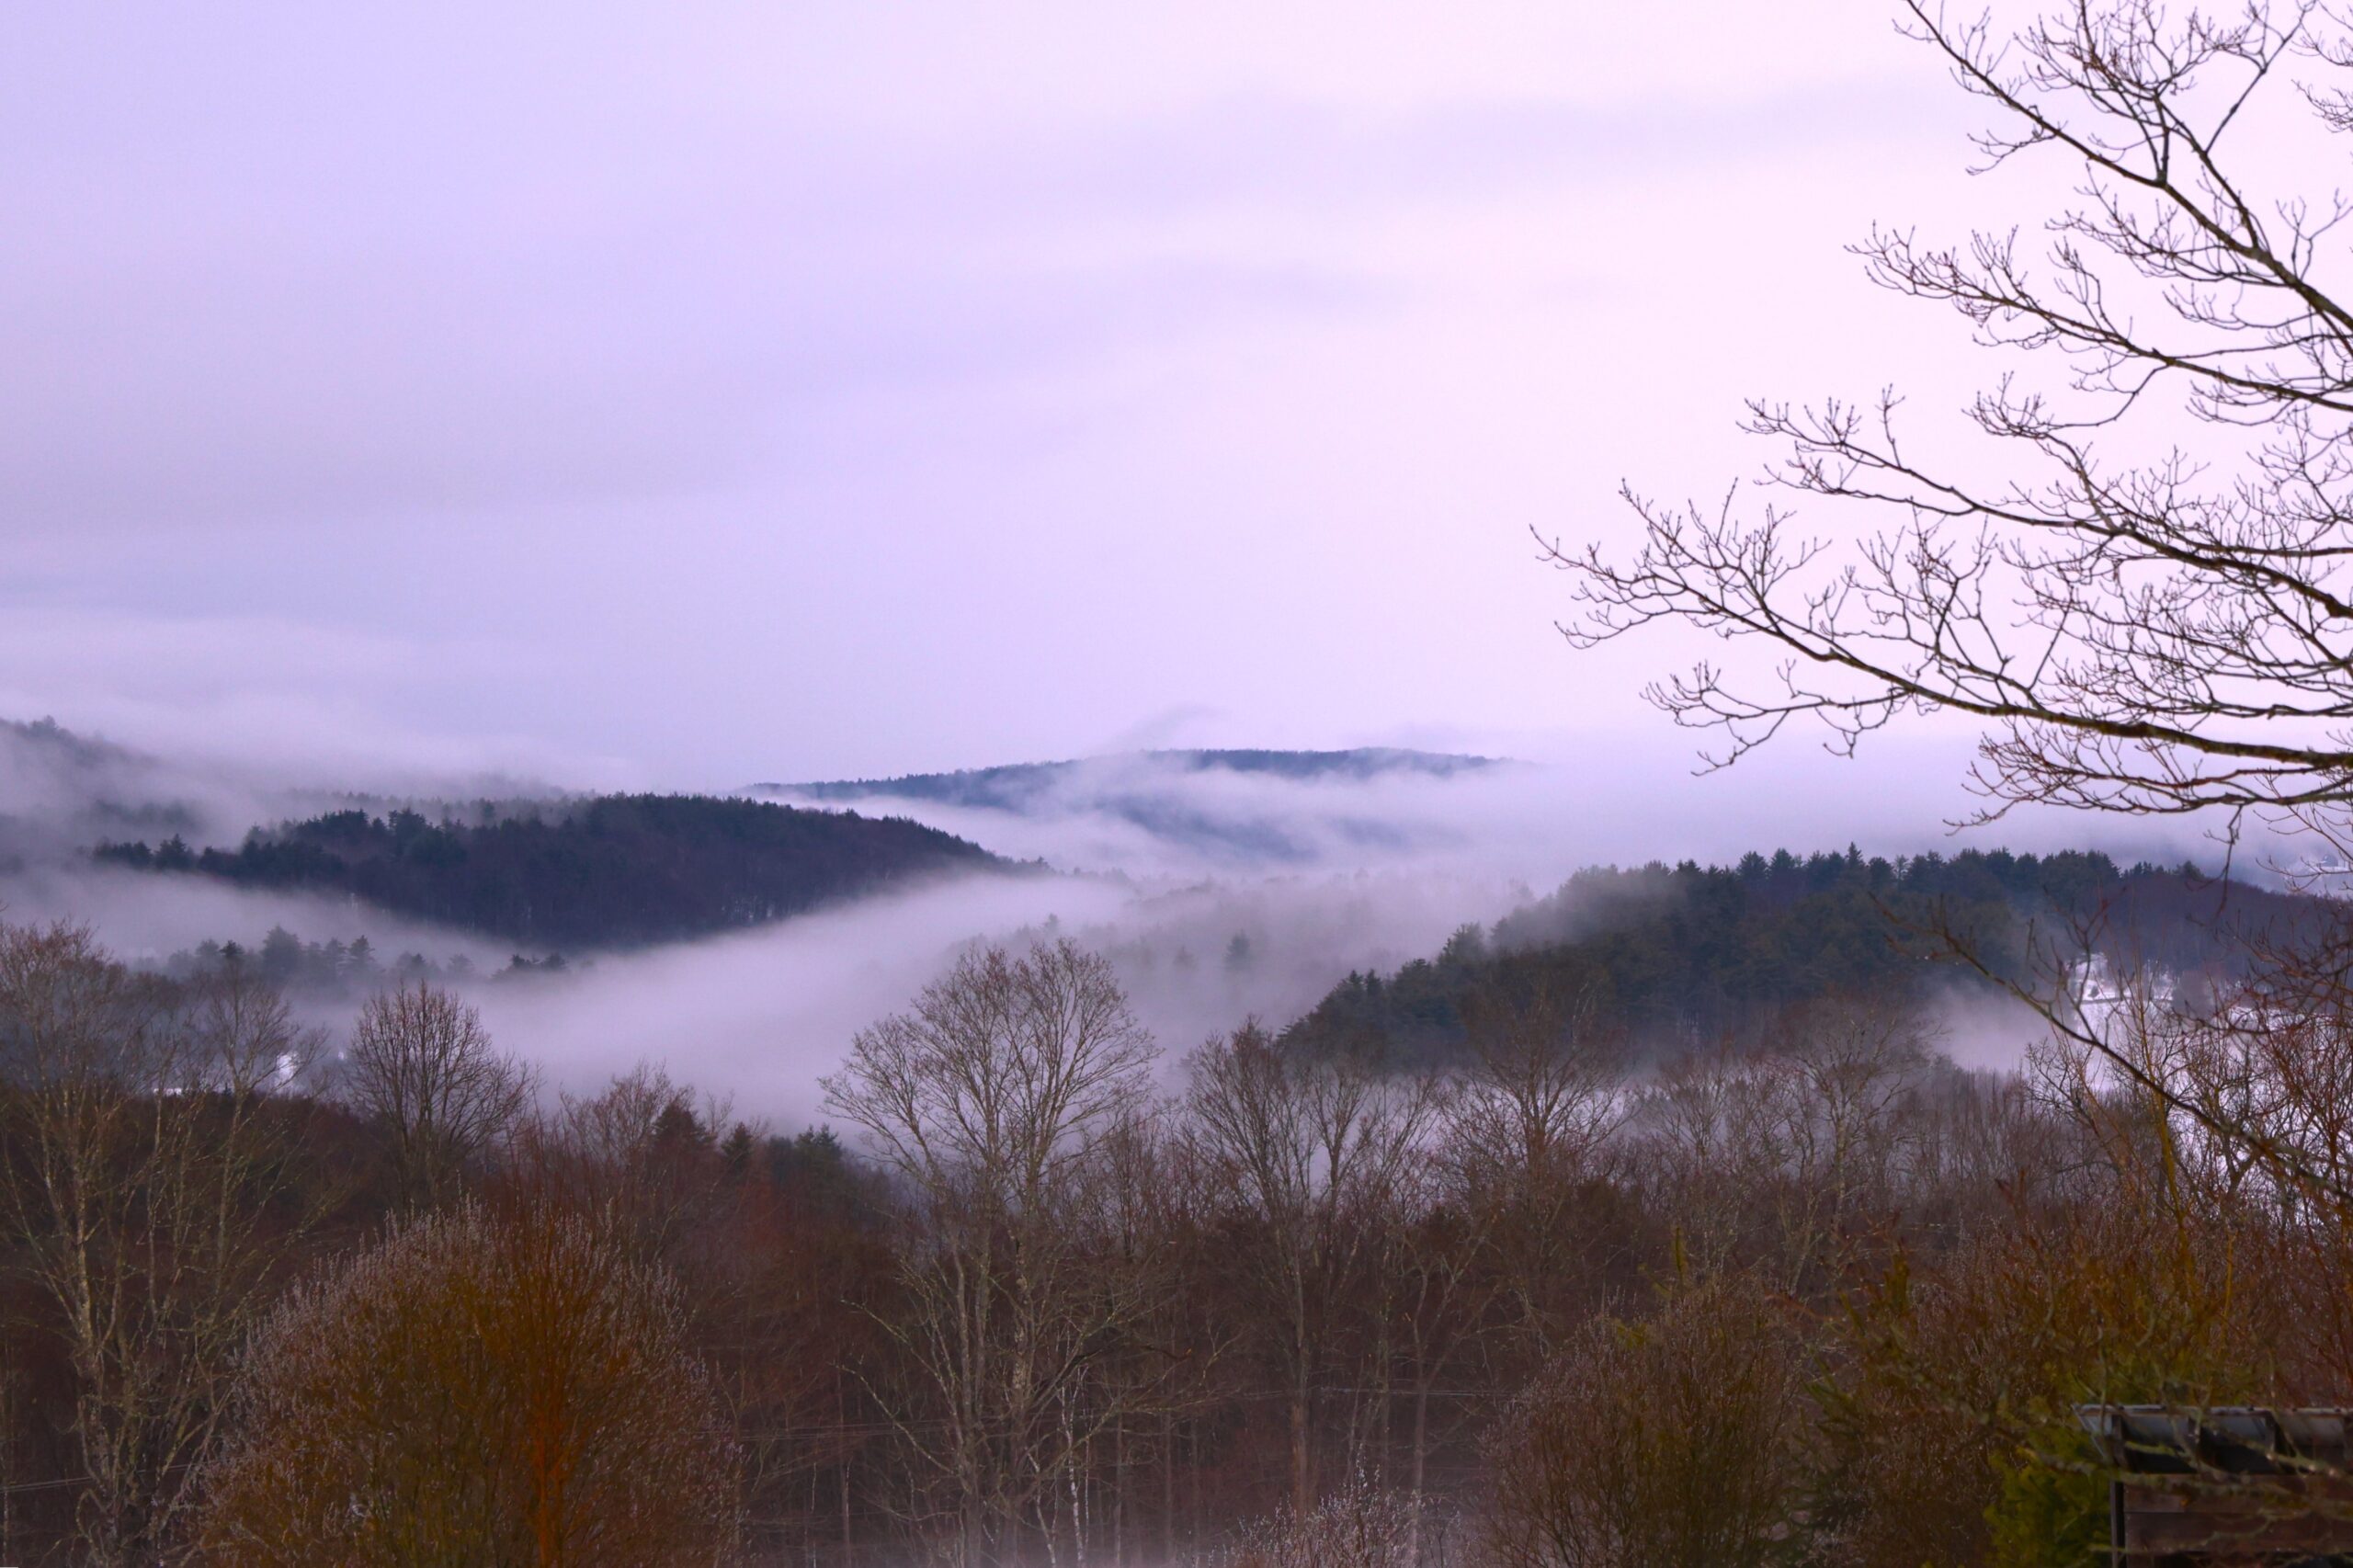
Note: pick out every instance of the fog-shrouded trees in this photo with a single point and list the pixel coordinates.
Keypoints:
(477, 1391)
(420, 1063)
(150, 1185)
(999, 1101)
(2130, 563)
(1813, 1287)
(1772, 1159)
(2142, 586)
(639, 1155)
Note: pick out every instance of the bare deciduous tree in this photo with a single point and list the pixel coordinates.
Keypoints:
(2134, 566)
(1530, 1134)
(638, 1154)
(421, 1063)
(1542, 1098)
(999, 1098)
(2142, 625)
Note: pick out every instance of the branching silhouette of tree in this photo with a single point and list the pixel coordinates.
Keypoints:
(1308, 1154)
(2137, 575)
(2149, 606)
(421, 1063)
(2145, 634)
(1000, 1099)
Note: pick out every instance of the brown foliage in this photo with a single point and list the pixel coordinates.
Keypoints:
(1956, 1383)
(479, 1392)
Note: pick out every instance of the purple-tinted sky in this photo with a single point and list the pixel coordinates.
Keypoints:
(689, 394)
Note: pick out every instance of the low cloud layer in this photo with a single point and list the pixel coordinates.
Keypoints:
(1219, 895)
(1554, 805)
(64, 788)
(149, 918)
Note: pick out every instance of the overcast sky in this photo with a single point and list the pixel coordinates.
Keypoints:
(688, 394)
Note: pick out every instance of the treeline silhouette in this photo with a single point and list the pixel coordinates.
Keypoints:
(336, 971)
(1020, 785)
(612, 872)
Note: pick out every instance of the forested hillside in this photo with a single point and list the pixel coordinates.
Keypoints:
(1671, 951)
(618, 870)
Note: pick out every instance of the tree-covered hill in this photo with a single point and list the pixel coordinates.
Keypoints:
(615, 870)
(1682, 951)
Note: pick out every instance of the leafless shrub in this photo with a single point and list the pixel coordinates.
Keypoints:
(1358, 1526)
(476, 1390)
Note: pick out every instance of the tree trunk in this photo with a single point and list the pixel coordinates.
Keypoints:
(1168, 1486)
(1303, 1484)
(849, 1548)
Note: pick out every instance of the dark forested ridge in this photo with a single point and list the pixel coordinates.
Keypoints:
(1667, 951)
(616, 870)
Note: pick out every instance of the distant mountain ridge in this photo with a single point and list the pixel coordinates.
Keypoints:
(1198, 801)
(1013, 786)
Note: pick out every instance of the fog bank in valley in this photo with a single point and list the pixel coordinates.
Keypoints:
(62, 789)
(1218, 894)
(1543, 807)
(147, 918)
